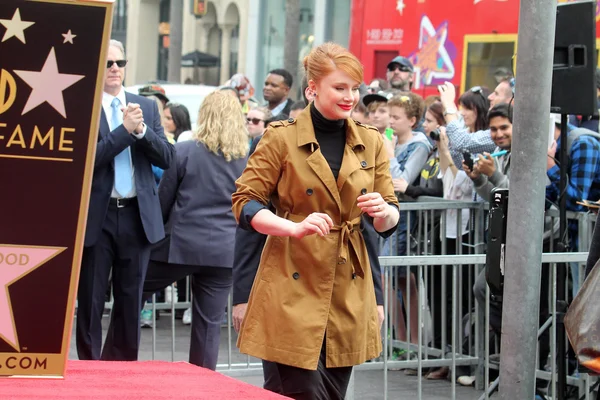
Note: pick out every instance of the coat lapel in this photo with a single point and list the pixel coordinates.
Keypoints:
(351, 161)
(316, 161)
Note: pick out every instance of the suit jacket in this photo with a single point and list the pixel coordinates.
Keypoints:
(249, 246)
(152, 149)
(195, 199)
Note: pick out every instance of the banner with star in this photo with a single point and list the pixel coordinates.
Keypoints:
(52, 65)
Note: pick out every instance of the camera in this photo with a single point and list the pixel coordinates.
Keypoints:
(468, 159)
(435, 135)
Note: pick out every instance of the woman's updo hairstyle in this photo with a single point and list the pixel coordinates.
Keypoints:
(325, 58)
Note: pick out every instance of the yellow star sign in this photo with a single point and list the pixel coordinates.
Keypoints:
(15, 27)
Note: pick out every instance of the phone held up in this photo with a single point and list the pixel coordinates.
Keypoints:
(468, 159)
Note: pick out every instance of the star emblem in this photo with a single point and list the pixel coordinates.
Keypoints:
(400, 6)
(18, 261)
(431, 59)
(69, 37)
(48, 85)
(15, 27)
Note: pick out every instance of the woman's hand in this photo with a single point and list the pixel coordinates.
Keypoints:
(400, 185)
(443, 143)
(447, 95)
(380, 315)
(318, 223)
(238, 313)
(373, 205)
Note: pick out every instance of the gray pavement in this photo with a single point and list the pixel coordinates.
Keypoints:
(369, 385)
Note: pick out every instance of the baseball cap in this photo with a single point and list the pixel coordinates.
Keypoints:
(383, 96)
(153, 90)
(402, 61)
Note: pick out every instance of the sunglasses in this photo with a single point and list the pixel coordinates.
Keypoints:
(402, 68)
(120, 63)
(254, 121)
(478, 89)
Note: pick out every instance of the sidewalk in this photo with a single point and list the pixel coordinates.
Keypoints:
(368, 385)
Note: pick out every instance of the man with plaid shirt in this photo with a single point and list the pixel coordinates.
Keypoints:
(583, 181)
(583, 174)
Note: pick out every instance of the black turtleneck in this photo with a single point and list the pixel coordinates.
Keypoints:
(331, 136)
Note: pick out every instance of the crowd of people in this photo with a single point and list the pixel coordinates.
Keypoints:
(290, 204)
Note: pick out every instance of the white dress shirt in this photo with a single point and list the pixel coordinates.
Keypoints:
(107, 106)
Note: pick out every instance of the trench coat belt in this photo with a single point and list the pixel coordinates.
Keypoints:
(346, 229)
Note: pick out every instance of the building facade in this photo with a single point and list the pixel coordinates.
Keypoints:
(248, 36)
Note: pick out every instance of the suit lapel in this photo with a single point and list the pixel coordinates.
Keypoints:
(104, 128)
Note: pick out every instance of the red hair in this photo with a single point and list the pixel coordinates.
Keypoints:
(325, 58)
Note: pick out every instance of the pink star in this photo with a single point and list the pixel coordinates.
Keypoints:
(15, 263)
(47, 85)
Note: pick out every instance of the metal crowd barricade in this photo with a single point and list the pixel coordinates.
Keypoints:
(467, 343)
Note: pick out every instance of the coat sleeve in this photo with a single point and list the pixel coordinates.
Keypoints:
(383, 180)
(169, 184)
(259, 180)
(155, 144)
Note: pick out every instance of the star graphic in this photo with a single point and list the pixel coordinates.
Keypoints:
(15, 27)
(400, 6)
(431, 59)
(48, 85)
(18, 261)
(69, 37)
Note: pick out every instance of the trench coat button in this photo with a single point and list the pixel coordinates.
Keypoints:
(296, 275)
(290, 120)
(363, 191)
(309, 192)
(354, 275)
(342, 262)
(363, 164)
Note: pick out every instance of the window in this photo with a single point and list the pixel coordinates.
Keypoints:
(486, 58)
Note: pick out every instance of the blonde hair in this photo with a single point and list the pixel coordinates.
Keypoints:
(325, 58)
(222, 126)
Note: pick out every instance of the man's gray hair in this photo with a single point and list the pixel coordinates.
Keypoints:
(118, 45)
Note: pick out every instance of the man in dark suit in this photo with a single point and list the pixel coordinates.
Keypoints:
(277, 90)
(124, 216)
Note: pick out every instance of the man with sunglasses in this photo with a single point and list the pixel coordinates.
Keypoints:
(124, 216)
(400, 73)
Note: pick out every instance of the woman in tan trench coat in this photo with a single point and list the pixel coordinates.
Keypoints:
(312, 308)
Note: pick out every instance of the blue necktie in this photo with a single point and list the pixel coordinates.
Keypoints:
(123, 170)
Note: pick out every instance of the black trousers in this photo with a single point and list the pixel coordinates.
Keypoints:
(303, 384)
(123, 248)
(210, 289)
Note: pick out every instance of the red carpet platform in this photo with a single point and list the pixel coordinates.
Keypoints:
(144, 380)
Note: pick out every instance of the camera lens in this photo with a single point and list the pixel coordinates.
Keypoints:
(435, 135)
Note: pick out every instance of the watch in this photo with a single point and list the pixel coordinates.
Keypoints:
(450, 111)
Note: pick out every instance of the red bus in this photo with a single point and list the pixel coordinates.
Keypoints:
(466, 42)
